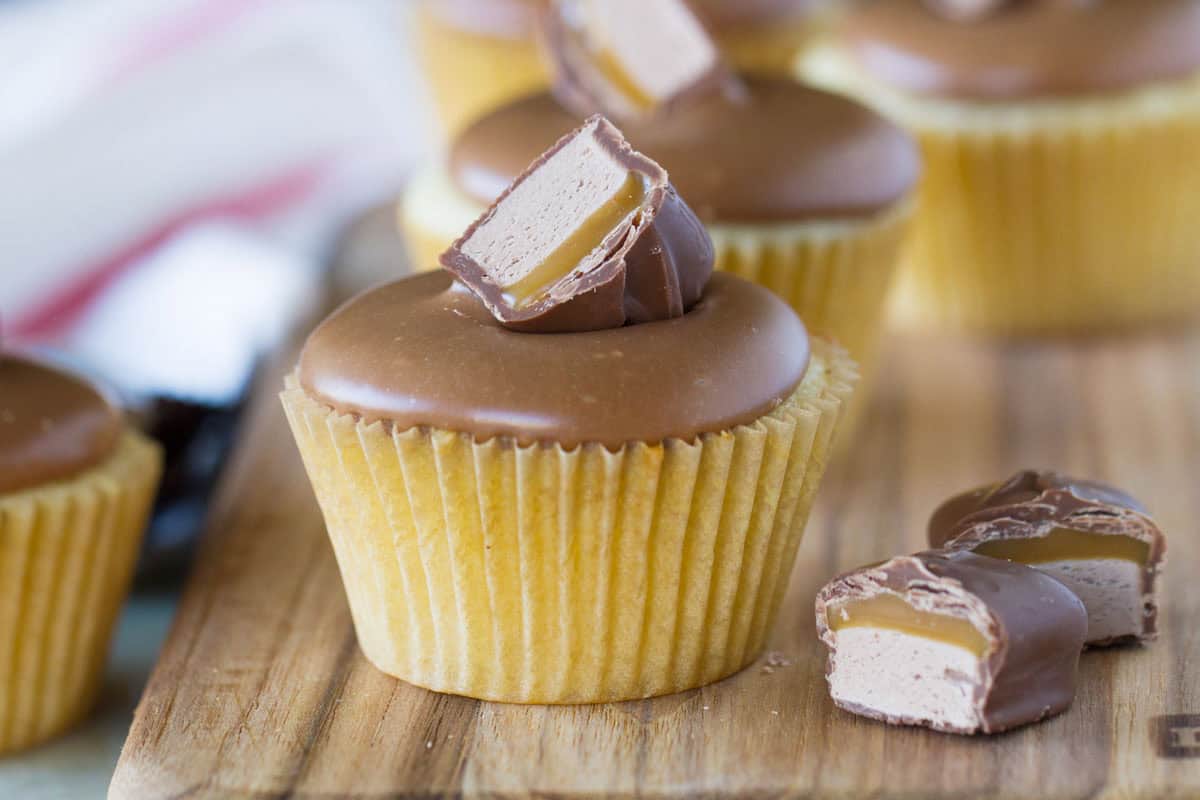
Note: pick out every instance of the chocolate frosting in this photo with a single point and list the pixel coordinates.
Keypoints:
(658, 261)
(53, 425)
(418, 352)
(1026, 486)
(1036, 627)
(1027, 48)
(783, 153)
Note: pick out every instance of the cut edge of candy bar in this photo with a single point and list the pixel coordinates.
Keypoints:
(514, 256)
(620, 73)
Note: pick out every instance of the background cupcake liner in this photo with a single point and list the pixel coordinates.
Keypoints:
(470, 74)
(67, 552)
(544, 575)
(836, 275)
(1049, 216)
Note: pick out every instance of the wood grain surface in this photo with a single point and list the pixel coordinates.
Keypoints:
(261, 690)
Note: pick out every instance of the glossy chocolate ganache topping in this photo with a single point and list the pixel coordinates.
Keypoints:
(782, 153)
(1012, 49)
(585, 312)
(53, 425)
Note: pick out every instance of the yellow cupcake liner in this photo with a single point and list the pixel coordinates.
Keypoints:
(837, 275)
(1045, 217)
(470, 74)
(67, 552)
(545, 575)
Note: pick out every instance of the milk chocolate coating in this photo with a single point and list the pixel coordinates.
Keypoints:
(1035, 624)
(581, 85)
(53, 425)
(784, 153)
(1028, 48)
(659, 263)
(1026, 486)
(420, 353)
(1033, 504)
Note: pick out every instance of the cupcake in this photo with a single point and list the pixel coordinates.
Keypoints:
(574, 467)
(76, 486)
(1062, 155)
(479, 54)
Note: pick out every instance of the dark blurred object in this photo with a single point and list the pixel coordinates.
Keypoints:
(197, 439)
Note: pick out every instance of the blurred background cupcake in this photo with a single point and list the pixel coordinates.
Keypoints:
(76, 486)
(479, 54)
(1062, 155)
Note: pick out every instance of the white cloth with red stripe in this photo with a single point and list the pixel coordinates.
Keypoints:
(128, 123)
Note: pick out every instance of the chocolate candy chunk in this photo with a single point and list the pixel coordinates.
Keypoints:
(591, 236)
(1092, 537)
(628, 58)
(966, 10)
(1026, 485)
(956, 642)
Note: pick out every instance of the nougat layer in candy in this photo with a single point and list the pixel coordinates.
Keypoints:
(591, 236)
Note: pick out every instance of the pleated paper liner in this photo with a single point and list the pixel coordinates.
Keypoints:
(837, 275)
(543, 575)
(67, 552)
(1056, 216)
(470, 74)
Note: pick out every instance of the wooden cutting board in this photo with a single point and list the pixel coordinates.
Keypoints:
(261, 690)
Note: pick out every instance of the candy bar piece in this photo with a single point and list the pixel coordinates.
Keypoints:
(956, 642)
(591, 236)
(628, 58)
(1093, 537)
(965, 10)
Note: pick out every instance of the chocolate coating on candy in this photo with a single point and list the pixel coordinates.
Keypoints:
(53, 425)
(1034, 624)
(419, 353)
(785, 153)
(1033, 506)
(1027, 48)
(1025, 486)
(640, 257)
(630, 58)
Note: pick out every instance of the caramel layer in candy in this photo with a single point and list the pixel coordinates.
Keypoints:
(629, 58)
(591, 236)
(956, 642)
(890, 612)
(1094, 538)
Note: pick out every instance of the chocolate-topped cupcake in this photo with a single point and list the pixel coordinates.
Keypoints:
(574, 467)
(1062, 149)
(76, 485)
(479, 54)
(802, 191)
